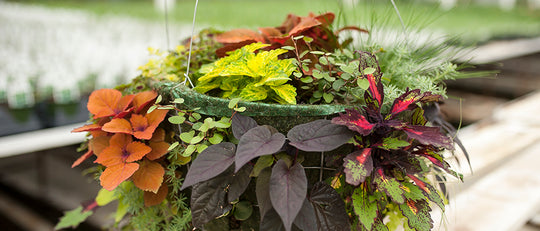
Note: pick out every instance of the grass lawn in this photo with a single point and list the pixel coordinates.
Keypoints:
(472, 23)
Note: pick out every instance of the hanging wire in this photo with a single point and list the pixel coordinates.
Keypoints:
(191, 45)
(167, 23)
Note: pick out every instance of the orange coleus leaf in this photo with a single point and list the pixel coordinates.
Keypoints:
(141, 99)
(114, 175)
(153, 120)
(118, 126)
(82, 158)
(98, 144)
(151, 198)
(122, 149)
(87, 128)
(158, 150)
(149, 176)
(239, 35)
(159, 135)
(108, 102)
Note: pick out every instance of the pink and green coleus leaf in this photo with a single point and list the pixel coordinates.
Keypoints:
(429, 191)
(375, 89)
(408, 101)
(438, 161)
(355, 121)
(358, 165)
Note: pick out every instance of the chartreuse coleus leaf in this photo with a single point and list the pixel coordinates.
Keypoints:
(392, 143)
(390, 186)
(250, 76)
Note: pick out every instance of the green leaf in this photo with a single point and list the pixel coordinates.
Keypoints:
(73, 218)
(158, 99)
(105, 196)
(369, 70)
(121, 211)
(328, 98)
(290, 48)
(216, 139)
(189, 150)
(286, 92)
(178, 101)
(173, 146)
(262, 163)
(240, 109)
(177, 119)
(243, 210)
(338, 84)
(187, 136)
(392, 143)
(366, 210)
(363, 83)
(307, 79)
(152, 108)
(197, 139)
(233, 102)
(201, 147)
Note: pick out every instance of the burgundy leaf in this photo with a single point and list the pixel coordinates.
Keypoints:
(358, 165)
(288, 189)
(319, 136)
(241, 124)
(208, 200)
(429, 136)
(329, 208)
(239, 183)
(306, 219)
(262, 189)
(439, 162)
(210, 163)
(355, 121)
(256, 142)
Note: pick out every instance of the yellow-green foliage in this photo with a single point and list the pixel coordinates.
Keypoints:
(251, 76)
(166, 66)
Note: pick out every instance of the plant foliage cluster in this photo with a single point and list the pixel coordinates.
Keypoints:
(173, 168)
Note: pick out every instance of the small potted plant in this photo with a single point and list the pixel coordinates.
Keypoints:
(285, 128)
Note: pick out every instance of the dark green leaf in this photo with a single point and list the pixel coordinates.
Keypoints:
(392, 143)
(211, 162)
(288, 189)
(329, 208)
(256, 142)
(366, 210)
(262, 163)
(241, 124)
(243, 210)
(319, 136)
(358, 165)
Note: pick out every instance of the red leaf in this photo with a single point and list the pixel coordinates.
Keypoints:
(375, 88)
(407, 101)
(428, 136)
(140, 100)
(114, 175)
(222, 52)
(269, 32)
(326, 19)
(149, 176)
(306, 23)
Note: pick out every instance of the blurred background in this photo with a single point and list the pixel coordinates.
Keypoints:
(53, 53)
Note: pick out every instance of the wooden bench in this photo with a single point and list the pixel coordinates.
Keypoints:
(503, 192)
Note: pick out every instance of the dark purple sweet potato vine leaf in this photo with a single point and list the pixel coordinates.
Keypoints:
(208, 200)
(209, 163)
(239, 183)
(256, 142)
(329, 208)
(319, 136)
(241, 124)
(288, 189)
